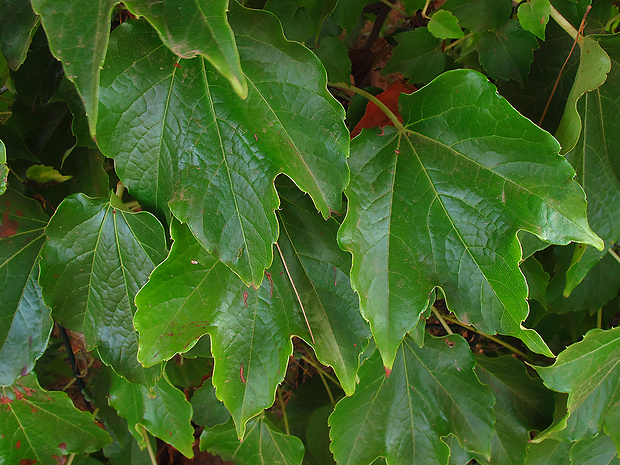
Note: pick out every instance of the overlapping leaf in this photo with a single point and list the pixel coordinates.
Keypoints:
(162, 410)
(263, 443)
(97, 256)
(41, 426)
(589, 371)
(599, 450)
(180, 135)
(25, 321)
(16, 22)
(440, 205)
(596, 157)
(431, 392)
(78, 33)
(191, 293)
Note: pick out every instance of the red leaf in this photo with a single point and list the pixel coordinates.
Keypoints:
(374, 117)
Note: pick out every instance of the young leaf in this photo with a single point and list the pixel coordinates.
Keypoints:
(263, 443)
(25, 320)
(522, 404)
(418, 56)
(41, 426)
(16, 23)
(534, 15)
(212, 155)
(162, 410)
(444, 25)
(97, 256)
(191, 293)
(508, 52)
(439, 205)
(430, 392)
(589, 372)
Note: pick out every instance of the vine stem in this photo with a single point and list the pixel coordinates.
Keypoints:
(441, 320)
(323, 375)
(599, 318)
(614, 254)
(563, 23)
(296, 293)
(287, 430)
(488, 336)
(145, 435)
(458, 41)
(394, 7)
(382, 106)
(424, 15)
(70, 459)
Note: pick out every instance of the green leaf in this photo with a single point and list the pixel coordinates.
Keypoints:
(589, 372)
(594, 158)
(455, 226)
(418, 56)
(301, 19)
(594, 65)
(25, 321)
(334, 55)
(191, 293)
(212, 155)
(4, 168)
(96, 258)
(17, 21)
(208, 410)
(43, 174)
(162, 410)
(263, 443)
(196, 27)
(537, 280)
(534, 15)
(508, 52)
(42, 426)
(548, 452)
(599, 450)
(523, 404)
(430, 392)
(444, 25)
(480, 15)
(347, 13)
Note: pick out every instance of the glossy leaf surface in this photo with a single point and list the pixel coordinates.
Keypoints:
(25, 320)
(97, 256)
(212, 155)
(440, 206)
(589, 372)
(534, 16)
(263, 443)
(41, 426)
(429, 393)
(162, 410)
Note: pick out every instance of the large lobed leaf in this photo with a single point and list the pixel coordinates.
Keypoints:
(25, 320)
(440, 204)
(41, 426)
(431, 392)
(78, 33)
(179, 135)
(97, 256)
(192, 293)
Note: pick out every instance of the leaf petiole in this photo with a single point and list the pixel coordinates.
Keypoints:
(287, 429)
(441, 320)
(145, 435)
(393, 118)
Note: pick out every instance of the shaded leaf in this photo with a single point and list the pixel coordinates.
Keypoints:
(347, 13)
(440, 205)
(25, 321)
(444, 25)
(334, 55)
(16, 23)
(162, 410)
(197, 27)
(594, 64)
(480, 15)
(507, 53)
(431, 392)
(375, 117)
(548, 452)
(534, 15)
(589, 372)
(208, 409)
(537, 280)
(418, 56)
(599, 450)
(4, 168)
(97, 256)
(212, 155)
(301, 20)
(42, 426)
(263, 443)
(522, 404)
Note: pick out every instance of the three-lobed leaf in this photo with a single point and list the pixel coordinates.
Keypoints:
(182, 138)
(440, 203)
(98, 254)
